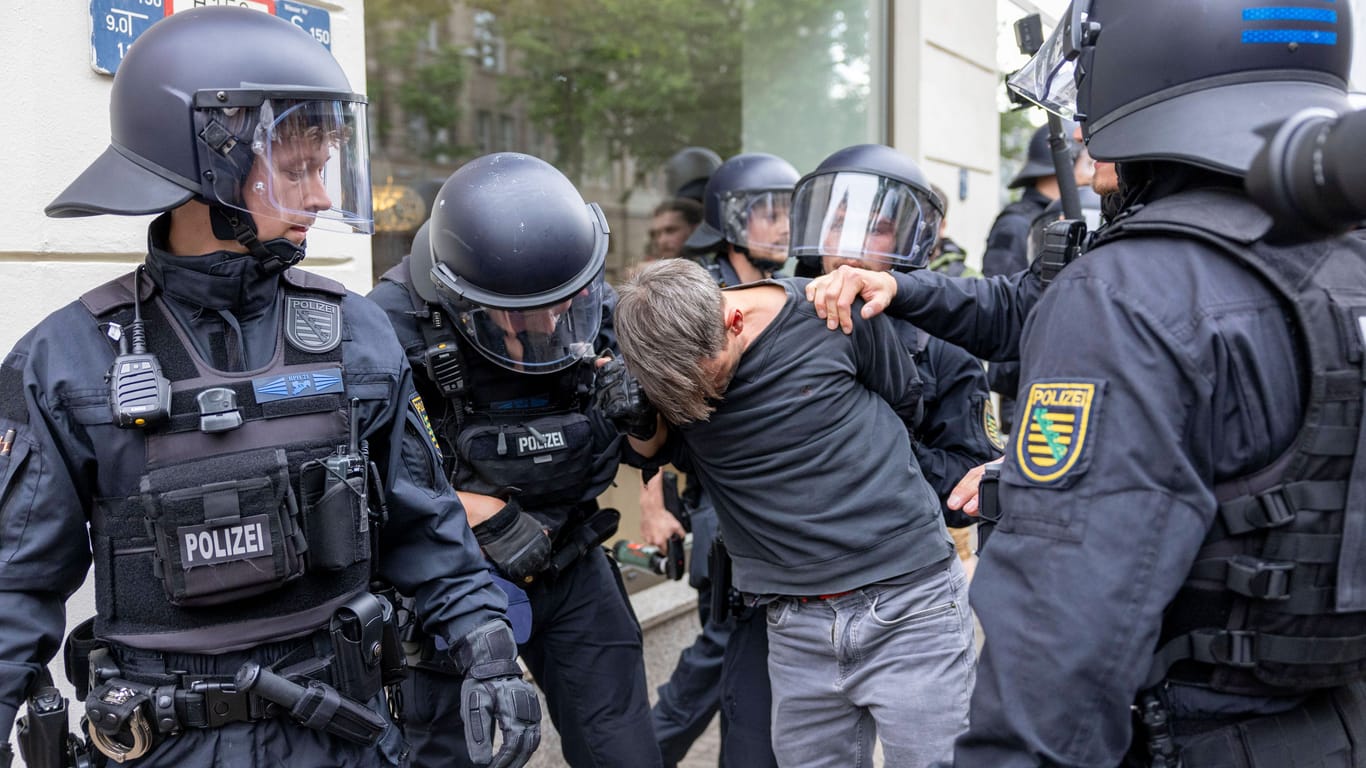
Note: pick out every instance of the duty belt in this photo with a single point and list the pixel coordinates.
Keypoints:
(130, 710)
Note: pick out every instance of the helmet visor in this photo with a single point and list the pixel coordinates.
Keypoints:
(305, 162)
(540, 340)
(757, 220)
(866, 217)
(1049, 78)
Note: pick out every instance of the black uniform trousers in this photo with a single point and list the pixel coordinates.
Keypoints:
(585, 654)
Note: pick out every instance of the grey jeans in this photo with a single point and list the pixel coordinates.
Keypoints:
(893, 660)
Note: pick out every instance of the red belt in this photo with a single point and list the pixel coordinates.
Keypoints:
(819, 598)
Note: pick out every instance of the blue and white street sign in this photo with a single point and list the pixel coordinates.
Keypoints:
(116, 24)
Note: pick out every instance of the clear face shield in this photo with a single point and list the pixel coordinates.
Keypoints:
(298, 160)
(540, 340)
(758, 220)
(1049, 79)
(864, 217)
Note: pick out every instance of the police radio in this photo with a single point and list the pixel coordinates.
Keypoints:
(444, 364)
(1063, 242)
(138, 392)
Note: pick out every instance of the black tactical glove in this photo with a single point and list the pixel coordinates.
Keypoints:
(515, 542)
(619, 396)
(494, 691)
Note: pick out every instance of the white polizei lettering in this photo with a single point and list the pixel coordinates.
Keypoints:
(537, 441)
(233, 542)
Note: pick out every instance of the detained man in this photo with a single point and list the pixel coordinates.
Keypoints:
(800, 437)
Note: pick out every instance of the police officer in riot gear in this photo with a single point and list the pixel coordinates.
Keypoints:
(504, 316)
(744, 230)
(1180, 512)
(241, 437)
(686, 172)
(871, 206)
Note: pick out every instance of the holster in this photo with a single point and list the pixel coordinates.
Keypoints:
(367, 652)
(592, 532)
(318, 705)
(44, 732)
(988, 504)
(718, 562)
(1326, 731)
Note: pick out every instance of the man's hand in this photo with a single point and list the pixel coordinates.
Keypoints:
(494, 692)
(657, 523)
(834, 295)
(964, 495)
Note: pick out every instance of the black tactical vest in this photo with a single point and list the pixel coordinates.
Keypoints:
(543, 450)
(232, 535)
(1276, 601)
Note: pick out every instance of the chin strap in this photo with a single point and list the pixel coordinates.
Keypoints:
(275, 255)
(765, 267)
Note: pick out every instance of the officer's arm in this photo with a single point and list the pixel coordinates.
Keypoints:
(884, 365)
(984, 316)
(1101, 520)
(427, 548)
(607, 332)
(1007, 245)
(44, 548)
(957, 431)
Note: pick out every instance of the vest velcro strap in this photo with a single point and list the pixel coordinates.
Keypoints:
(1333, 441)
(1277, 506)
(1319, 650)
(1342, 385)
(1245, 650)
(1308, 548)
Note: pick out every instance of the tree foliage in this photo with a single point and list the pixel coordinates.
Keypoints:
(608, 79)
(414, 88)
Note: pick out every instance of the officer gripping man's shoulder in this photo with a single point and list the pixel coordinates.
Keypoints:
(1178, 502)
(241, 438)
(510, 337)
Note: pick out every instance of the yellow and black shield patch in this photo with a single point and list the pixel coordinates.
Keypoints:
(1057, 420)
(420, 408)
(991, 426)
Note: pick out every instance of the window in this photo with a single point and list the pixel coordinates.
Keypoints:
(489, 47)
(607, 91)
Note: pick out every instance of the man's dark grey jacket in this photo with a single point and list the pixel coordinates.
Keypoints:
(808, 461)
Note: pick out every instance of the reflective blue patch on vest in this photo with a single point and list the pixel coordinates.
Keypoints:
(1290, 13)
(271, 388)
(1295, 13)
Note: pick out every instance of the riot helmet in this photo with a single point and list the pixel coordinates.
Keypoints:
(868, 203)
(1221, 72)
(517, 262)
(746, 204)
(241, 110)
(420, 264)
(1039, 160)
(687, 171)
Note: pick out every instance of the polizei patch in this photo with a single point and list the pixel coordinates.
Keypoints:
(312, 325)
(1056, 423)
(539, 442)
(246, 539)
